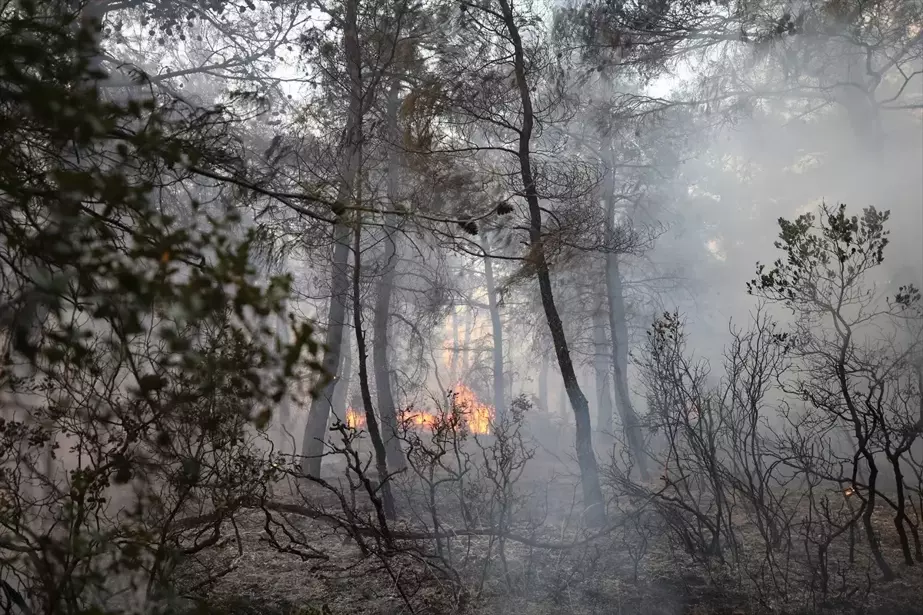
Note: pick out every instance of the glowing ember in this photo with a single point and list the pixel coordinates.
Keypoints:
(354, 419)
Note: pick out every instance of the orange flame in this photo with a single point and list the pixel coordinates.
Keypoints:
(354, 419)
(475, 415)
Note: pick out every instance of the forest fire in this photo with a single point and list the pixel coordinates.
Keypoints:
(476, 416)
(419, 419)
(354, 419)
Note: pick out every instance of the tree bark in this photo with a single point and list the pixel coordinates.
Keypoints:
(314, 434)
(371, 422)
(497, 332)
(344, 377)
(284, 414)
(618, 328)
(602, 366)
(386, 406)
(589, 470)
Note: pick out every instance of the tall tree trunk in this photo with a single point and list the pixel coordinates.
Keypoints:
(313, 442)
(371, 422)
(618, 328)
(508, 374)
(543, 385)
(602, 364)
(466, 344)
(283, 414)
(453, 359)
(344, 378)
(497, 331)
(386, 407)
(312, 446)
(589, 470)
(90, 21)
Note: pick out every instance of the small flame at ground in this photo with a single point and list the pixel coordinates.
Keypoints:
(476, 416)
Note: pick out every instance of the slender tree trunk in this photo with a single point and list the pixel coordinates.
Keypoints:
(386, 407)
(453, 360)
(344, 378)
(508, 374)
(319, 414)
(283, 415)
(543, 384)
(900, 514)
(371, 422)
(618, 328)
(602, 365)
(497, 330)
(313, 442)
(589, 470)
(466, 344)
(867, 514)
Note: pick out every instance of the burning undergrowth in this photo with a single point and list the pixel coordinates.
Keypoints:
(464, 409)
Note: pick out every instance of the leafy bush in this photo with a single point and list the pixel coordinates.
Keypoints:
(139, 347)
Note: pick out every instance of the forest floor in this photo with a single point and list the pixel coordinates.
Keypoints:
(616, 574)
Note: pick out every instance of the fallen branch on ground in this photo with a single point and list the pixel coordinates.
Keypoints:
(303, 511)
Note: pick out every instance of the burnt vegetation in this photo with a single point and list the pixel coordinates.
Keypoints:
(385, 306)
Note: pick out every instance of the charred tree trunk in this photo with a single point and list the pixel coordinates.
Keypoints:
(344, 377)
(900, 512)
(386, 406)
(602, 366)
(313, 442)
(589, 470)
(868, 513)
(618, 329)
(497, 332)
(371, 422)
